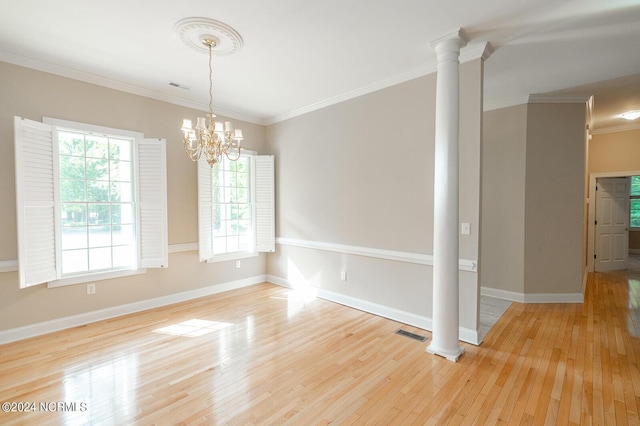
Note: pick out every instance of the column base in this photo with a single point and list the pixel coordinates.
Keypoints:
(448, 354)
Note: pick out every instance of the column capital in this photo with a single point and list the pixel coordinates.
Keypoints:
(458, 37)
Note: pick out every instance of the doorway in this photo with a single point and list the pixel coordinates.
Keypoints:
(612, 224)
(608, 241)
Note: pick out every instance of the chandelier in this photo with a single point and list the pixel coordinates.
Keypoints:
(211, 138)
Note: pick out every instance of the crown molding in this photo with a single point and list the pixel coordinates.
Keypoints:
(86, 77)
(469, 53)
(421, 71)
(534, 99)
(505, 103)
(558, 99)
(616, 129)
(473, 51)
(457, 34)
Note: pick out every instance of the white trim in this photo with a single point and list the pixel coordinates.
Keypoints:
(96, 276)
(533, 99)
(8, 265)
(466, 335)
(19, 333)
(532, 298)
(558, 99)
(361, 91)
(178, 248)
(505, 103)
(399, 256)
(471, 52)
(502, 294)
(616, 129)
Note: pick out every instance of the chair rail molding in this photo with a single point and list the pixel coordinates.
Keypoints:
(399, 256)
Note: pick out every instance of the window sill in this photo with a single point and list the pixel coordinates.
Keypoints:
(87, 278)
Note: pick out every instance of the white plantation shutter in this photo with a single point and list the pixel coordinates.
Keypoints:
(262, 175)
(152, 186)
(205, 206)
(35, 202)
(265, 203)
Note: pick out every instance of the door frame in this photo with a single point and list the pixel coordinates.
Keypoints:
(591, 215)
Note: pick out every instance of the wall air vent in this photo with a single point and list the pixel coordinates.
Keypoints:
(179, 86)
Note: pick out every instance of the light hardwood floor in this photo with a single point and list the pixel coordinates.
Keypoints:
(268, 359)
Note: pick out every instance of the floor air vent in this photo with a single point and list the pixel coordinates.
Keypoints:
(411, 335)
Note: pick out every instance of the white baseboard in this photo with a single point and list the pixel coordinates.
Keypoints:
(532, 298)
(502, 294)
(32, 330)
(465, 334)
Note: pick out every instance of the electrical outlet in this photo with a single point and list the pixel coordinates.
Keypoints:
(343, 275)
(237, 263)
(465, 228)
(91, 288)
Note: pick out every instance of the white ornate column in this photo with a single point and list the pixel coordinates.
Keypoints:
(445, 332)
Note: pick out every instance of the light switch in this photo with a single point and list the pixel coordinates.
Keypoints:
(465, 229)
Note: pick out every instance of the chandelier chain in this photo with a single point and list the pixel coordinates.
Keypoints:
(210, 79)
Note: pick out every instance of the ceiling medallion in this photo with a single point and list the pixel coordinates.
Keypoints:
(194, 31)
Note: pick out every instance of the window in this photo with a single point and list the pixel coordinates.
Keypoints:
(634, 202)
(96, 192)
(235, 207)
(91, 202)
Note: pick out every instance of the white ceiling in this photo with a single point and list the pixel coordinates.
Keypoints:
(300, 55)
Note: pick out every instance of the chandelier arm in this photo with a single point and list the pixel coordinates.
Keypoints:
(193, 152)
(235, 157)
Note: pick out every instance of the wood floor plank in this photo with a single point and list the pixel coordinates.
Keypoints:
(279, 360)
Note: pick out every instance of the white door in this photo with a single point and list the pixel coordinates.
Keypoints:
(612, 224)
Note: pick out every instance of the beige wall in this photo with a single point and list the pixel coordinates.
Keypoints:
(615, 152)
(533, 199)
(503, 183)
(360, 173)
(32, 94)
(554, 198)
